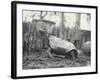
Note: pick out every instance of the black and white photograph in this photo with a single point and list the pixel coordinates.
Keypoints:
(56, 39)
(53, 39)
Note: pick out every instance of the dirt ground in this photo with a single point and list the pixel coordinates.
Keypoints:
(39, 60)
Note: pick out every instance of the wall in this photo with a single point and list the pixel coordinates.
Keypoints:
(5, 40)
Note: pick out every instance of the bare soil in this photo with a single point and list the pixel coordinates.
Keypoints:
(38, 60)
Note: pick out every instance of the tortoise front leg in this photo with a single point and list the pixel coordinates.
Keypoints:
(49, 53)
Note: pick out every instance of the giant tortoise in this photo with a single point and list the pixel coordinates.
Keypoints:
(62, 47)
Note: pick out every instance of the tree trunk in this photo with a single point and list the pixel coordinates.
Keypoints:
(62, 26)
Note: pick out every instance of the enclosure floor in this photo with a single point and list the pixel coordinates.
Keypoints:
(37, 61)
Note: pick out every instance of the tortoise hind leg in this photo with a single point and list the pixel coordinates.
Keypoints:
(74, 54)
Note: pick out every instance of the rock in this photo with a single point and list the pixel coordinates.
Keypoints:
(86, 48)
